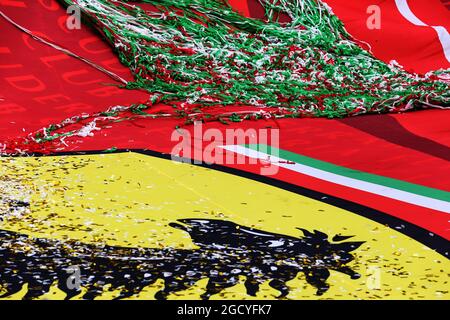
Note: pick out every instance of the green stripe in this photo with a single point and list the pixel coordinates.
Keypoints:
(355, 174)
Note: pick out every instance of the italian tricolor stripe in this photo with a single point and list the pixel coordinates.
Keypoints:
(392, 188)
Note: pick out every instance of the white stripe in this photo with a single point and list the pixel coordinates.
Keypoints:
(374, 188)
(444, 37)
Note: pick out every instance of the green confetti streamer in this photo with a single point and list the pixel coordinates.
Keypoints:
(202, 53)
